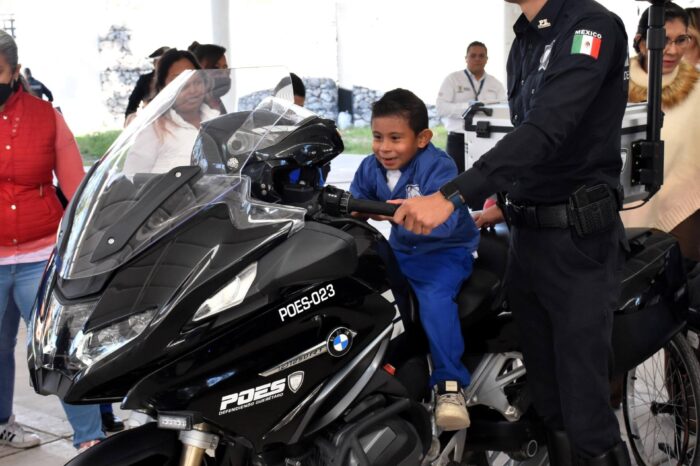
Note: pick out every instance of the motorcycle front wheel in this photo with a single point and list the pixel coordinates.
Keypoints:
(660, 406)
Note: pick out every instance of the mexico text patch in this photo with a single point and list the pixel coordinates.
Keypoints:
(587, 43)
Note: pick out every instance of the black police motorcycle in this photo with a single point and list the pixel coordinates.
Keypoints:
(257, 323)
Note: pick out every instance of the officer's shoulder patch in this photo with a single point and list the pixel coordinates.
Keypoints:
(587, 42)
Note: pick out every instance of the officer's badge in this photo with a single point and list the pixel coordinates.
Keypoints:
(544, 59)
(412, 190)
(544, 23)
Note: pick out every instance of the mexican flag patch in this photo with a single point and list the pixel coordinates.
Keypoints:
(587, 43)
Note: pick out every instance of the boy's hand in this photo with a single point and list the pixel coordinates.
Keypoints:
(488, 217)
(423, 214)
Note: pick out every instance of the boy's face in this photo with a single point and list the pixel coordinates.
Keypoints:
(394, 143)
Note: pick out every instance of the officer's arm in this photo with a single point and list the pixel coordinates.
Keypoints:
(570, 84)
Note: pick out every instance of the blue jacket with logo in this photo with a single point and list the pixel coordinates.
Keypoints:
(423, 175)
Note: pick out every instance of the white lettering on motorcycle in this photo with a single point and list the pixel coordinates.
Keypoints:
(297, 307)
(252, 396)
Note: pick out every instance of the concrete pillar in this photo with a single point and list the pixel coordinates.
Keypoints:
(220, 25)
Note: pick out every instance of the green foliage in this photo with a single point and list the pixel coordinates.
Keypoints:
(93, 146)
(359, 140)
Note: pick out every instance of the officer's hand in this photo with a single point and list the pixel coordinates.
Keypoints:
(422, 214)
(488, 217)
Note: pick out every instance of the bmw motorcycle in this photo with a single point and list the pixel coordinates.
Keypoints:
(228, 295)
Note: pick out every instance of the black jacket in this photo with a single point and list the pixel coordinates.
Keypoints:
(567, 90)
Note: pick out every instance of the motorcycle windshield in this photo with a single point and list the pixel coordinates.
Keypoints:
(182, 154)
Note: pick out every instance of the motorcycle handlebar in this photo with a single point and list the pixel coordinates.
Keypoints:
(335, 201)
(371, 207)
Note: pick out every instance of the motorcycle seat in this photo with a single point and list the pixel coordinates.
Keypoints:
(482, 287)
(479, 292)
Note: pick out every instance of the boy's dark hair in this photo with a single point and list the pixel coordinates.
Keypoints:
(671, 10)
(476, 43)
(166, 62)
(298, 85)
(207, 53)
(404, 103)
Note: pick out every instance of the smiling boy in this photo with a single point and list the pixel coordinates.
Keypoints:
(406, 164)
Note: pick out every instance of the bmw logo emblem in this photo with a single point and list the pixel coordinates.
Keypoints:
(340, 341)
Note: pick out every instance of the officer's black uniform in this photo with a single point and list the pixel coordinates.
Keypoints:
(567, 89)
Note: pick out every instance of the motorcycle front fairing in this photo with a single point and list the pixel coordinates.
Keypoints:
(130, 249)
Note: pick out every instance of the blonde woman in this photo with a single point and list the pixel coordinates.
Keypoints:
(675, 208)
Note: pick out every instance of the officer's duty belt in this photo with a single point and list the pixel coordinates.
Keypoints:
(538, 216)
(589, 210)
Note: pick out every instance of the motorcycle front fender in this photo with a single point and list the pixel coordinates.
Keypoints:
(146, 444)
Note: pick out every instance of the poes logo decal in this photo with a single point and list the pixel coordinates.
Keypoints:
(260, 394)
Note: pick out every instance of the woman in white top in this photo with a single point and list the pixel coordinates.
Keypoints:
(172, 136)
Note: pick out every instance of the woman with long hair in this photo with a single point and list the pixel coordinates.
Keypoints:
(171, 137)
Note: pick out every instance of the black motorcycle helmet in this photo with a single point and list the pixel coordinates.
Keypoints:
(281, 172)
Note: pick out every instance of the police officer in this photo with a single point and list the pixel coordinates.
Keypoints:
(560, 167)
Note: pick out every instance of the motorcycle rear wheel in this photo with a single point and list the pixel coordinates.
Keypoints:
(660, 406)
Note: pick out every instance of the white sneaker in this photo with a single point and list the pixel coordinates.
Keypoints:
(450, 406)
(14, 435)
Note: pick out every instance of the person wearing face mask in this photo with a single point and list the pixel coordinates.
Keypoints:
(676, 207)
(171, 137)
(35, 145)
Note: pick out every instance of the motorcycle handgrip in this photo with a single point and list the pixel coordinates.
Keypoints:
(371, 207)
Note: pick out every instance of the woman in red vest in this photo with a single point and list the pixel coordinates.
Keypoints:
(35, 144)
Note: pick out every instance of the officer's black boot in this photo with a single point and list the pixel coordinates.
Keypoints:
(616, 456)
(559, 447)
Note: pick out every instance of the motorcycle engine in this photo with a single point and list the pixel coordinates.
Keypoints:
(390, 441)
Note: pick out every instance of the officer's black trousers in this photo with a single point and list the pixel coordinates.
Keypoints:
(563, 290)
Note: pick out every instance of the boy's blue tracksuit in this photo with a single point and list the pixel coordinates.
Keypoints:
(436, 264)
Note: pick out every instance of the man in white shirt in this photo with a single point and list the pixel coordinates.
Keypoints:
(462, 88)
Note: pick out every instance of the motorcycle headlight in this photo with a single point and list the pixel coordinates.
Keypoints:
(88, 348)
(230, 295)
(56, 332)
